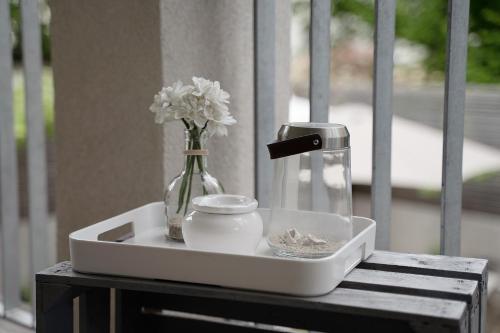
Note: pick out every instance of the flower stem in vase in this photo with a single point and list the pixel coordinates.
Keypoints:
(190, 181)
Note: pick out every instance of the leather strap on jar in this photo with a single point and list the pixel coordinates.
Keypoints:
(298, 145)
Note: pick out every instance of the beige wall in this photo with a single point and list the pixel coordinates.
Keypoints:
(106, 58)
(110, 57)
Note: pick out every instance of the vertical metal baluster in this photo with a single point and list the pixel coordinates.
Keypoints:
(454, 110)
(319, 49)
(385, 12)
(9, 202)
(265, 71)
(319, 89)
(37, 164)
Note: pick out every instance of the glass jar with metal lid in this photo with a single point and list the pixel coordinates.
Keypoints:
(311, 208)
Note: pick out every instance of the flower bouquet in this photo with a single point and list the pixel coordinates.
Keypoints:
(203, 109)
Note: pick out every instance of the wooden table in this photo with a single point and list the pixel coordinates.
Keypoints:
(393, 292)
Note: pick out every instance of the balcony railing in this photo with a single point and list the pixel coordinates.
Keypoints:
(265, 65)
(37, 166)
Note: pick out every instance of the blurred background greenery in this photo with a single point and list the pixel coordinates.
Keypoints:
(424, 23)
(18, 105)
(18, 78)
(421, 23)
(15, 15)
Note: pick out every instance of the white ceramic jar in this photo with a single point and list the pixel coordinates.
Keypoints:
(223, 223)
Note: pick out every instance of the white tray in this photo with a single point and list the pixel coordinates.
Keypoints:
(146, 253)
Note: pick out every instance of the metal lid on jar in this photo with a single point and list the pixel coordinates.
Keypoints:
(296, 138)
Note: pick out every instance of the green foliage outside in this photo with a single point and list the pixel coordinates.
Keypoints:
(19, 102)
(425, 22)
(15, 17)
(18, 80)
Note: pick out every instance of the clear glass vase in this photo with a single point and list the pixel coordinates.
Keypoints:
(194, 180)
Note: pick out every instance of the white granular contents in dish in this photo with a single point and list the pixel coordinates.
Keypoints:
(293, 242)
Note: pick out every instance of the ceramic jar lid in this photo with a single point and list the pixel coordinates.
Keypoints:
(224, 204)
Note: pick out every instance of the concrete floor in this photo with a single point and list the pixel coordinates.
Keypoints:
(9, 327)
(25, 250)
(415, 228)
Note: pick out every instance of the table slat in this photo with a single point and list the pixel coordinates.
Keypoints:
(413, 284)
(436, 265)
(419, 285)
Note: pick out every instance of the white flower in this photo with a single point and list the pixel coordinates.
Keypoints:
(203, 104)
(219, 127)
(169, 103)
(177, 92)
(201, 86)
(160, 99)
(217, 95)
